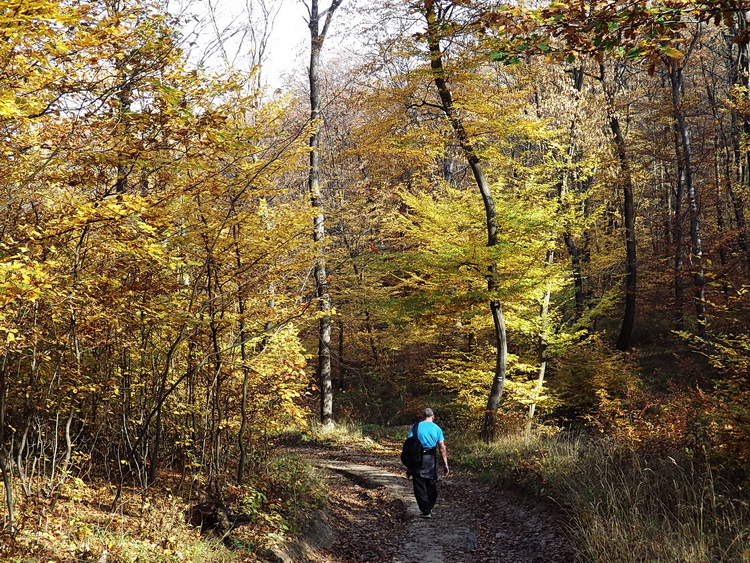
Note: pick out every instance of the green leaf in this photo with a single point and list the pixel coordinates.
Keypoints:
(634, 53)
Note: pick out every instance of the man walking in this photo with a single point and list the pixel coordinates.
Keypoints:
(425, 481)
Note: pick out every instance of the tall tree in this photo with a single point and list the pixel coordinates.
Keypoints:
(674, 66)
(629, 31)
(319, 22)
(624, 339)
(435, 12)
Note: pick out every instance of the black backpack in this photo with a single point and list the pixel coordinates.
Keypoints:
(411, 452)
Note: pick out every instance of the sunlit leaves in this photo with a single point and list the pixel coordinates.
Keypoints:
(145, 250)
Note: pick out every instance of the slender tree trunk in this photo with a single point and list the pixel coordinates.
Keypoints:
(371, 337)
(544, 314)
(368, 325)
(156, 444)
(699, 277)
(241, 462)
(740, 69)
(738, 207)
(679, 298)
(340, 360)
(720, 220)
(317, 38)
(5, 462)
(577, 253)
(631, 266)
(8, 486)
(742, 74)
(434, 25)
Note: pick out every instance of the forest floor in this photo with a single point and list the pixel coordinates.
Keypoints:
(372, 516)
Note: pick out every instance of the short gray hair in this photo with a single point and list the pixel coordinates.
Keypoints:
(427, 413)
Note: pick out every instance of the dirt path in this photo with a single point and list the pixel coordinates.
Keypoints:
(373, 517)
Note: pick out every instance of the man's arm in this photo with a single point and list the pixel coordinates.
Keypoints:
(444, 454)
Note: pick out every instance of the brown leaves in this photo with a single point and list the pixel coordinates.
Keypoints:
(605, 26)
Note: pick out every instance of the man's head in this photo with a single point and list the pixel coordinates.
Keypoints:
(427, 413)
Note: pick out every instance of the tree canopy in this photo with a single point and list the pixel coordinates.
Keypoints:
(545, 204)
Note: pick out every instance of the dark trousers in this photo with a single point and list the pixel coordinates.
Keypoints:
(425, 490)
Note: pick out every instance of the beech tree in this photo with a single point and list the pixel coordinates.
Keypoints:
(431, 264)
(436, 19)
(316, 18)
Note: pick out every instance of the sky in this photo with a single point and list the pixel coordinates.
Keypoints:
(287, 49)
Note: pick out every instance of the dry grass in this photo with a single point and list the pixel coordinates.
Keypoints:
(664, 508)
(77, 524)
(622, 505)
(341, 434)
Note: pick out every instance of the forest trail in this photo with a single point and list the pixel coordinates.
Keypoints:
(373, 517)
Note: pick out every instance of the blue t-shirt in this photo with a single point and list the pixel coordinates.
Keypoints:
(429, 434)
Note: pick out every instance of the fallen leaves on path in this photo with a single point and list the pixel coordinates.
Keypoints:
(473, 522)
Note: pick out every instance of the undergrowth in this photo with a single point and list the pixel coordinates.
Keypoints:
(621, 504)
(77, 527)
(79, 524)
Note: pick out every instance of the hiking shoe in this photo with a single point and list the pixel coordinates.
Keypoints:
(425, 515)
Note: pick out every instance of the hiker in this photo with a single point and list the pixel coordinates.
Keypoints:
(425, 480)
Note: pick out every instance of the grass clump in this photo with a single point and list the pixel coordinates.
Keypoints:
(623, 504)
(340, 434)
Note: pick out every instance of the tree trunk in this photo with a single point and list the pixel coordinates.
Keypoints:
(8, 485)
(5, 462)
(434, 25)
(489, 423)
(577, 253)
(696, 254)
(742, 74)
(317, 37)
(679, 299)
(740, 69)
(242, 461)
(720, 220)
(631, 267)
(544, 314)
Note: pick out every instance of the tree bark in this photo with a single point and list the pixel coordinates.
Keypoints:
(677, 238)
(577, 253)
(544, 314)
(5, 461)
(740, 70)
(242, 461)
